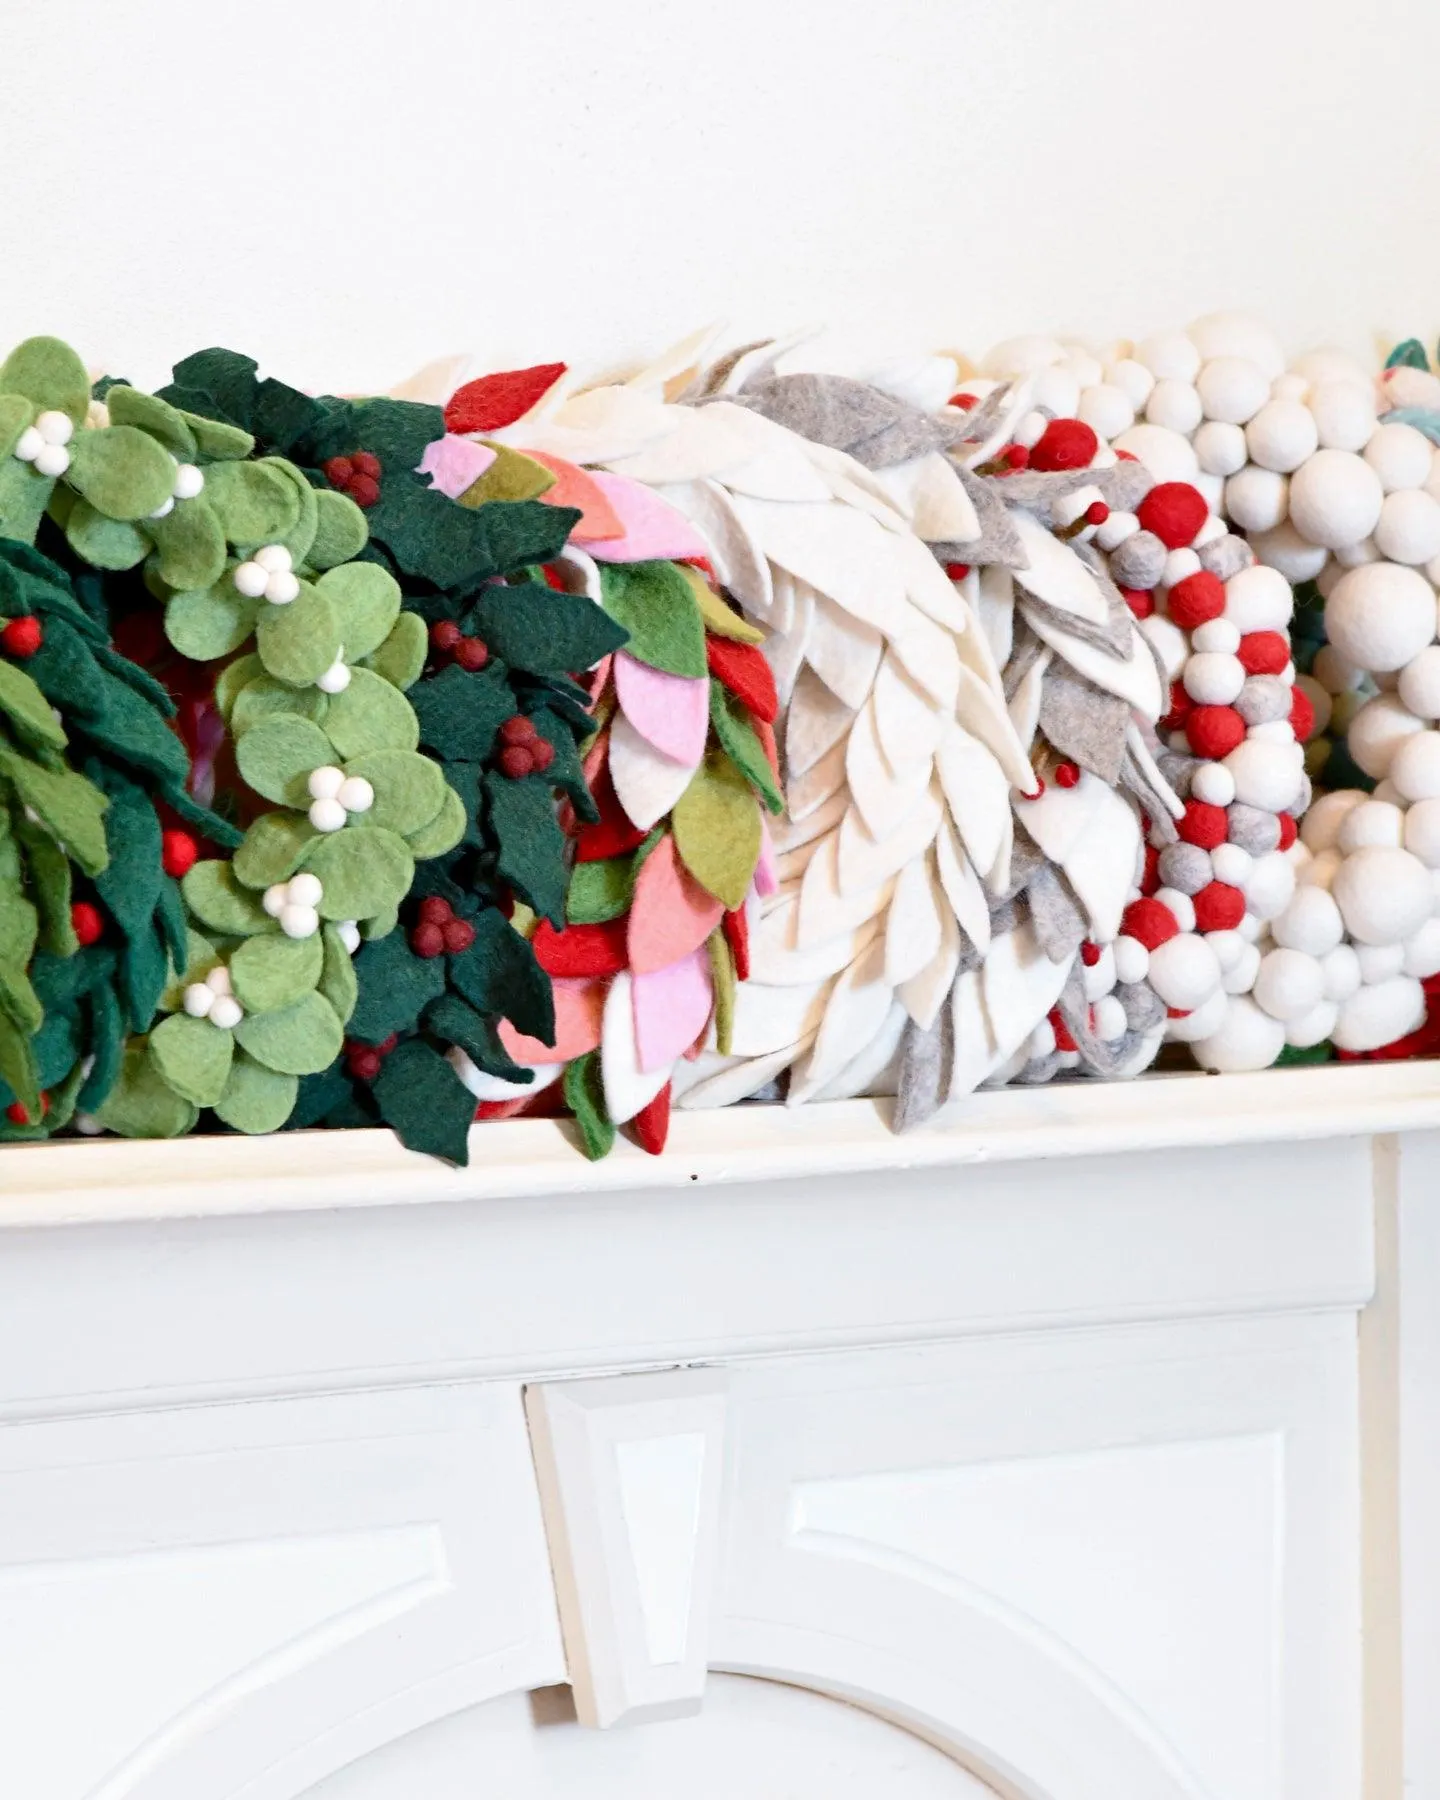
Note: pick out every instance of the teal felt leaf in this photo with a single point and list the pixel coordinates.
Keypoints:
(544, 632)
(738, 739)
(657, 607)
(332, 1099)
(283, 413)
(401, 658)
(256, 1099)
(144, 967)
(278, 754)
(366, 599)
(161, 421)
(211, 621)
(395, 987)
(364, 871)
(300, 1040)
(107, 1046)
(499, 975)
(566, 771)
(130, 887)
(396, 431)
(192, 1057)
(424, 1102)
(224, 378)
(460, 713)
(433, 537)
(105, 543)
(370, 715)
(585, 1096)
(49, 373)
(272, 971)
(254, 503)
(1409, 355)
(299, 642)
(218, 901)
(409, 788)
(531, 844)
(273, 849)
(120, 471)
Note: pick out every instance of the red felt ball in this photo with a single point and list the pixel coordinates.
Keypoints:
(434, 910)
(742, 669)
(1150, 872)
(957, 571)
(472, 654)
(1263, 652)
(1204, 825)
(17, 1115)
(1174, 511)
(1063, 1039)
(542, 755)
(363, 1062)
(338, 471)
(86, 922)
(364, 490)
(582, 949)
(496, 400)
(1096, 513)
(518, 730)
(1064, 444)
(1218, 907)
(1181, 706)
(427, 940)
(22, 637)
(1090, 954)
(517, 762)
(1141, 601)
(178, 851)
(387, 1044)
(1016, 457)
(1214, 731)
(445, 634)
(1067, 774)
(966, 402)
(736, 926)
(1196, 600)
(651, 1125)
(1150, 922)
(1289, 830)
(365, 462)
(1302, 715)
(459, 934)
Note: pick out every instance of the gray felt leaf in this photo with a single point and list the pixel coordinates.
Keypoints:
(982, 419)
(1058, 920)
(926, 1059)
(873, 427)
(1136, 780)
(1083, 722)
(1144, 1008)
(998, 541)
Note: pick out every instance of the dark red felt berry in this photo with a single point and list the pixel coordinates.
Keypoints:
(1218, 907)
(1196, 600)
(178, 851)
(363, 1061)
(957, 571)
(1064, 444)
(542, 755)
(459, 934)
(22, 637)
(516, 762)
(517, 730)
(1017, 456)
(445, 634)
(364, 490)
(1214, 731)
(386, 1045)
(1090, 954)
(1181, 706)
(427, 940)
(86, 922)
(1067, 774)
(1174, 511)
(365, 462)
(338, 471)
(471, 654)
(1096, 513)
(1150, 873)
(435, 911)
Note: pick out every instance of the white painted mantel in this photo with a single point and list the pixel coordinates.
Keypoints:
(1059, 1454)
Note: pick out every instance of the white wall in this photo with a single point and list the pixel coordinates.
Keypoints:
(348, 188)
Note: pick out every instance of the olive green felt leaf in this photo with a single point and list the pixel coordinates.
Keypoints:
(232, 680)
(299, 642)
(366, 599)
(256, 1099)
(264, 696)
(253, 501)
(69, 807)
(425, 1102)
(459, 713)
(409, 789)
(401, 658)
(300, 1040)
(443, 832)
(738, 739)
(370, 715)
(395, 987)
(364, 871)
(17, 1065)
(191, 545)
(340, 530)
(716, 824)
(511, 476)
(211, 622)
(273, 849)
(121, 472)
(50, 886)
(337, 976)
(718, 617)
(722, 981)
(16, 413)
(200, 958)
(214, 438)
(27, 708)
(656, 605)
(544, 632)
(599, 890)
(272, 972)
(141, 1104)
(24, 496)
(532, 846)
(218, 900)
(585, 1096)
(163, 422)
(192, 1057)
(277, 755)
(499, 975)
(48, 372)
(101, 542)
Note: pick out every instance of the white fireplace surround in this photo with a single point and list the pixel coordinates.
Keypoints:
(1086, 1449)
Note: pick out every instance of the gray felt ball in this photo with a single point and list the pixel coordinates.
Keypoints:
(1186, 867)
(1225, 556)
(1139, 562)
(1263, 697)
(1252, 829)
(1300, 805)
(1178, 770)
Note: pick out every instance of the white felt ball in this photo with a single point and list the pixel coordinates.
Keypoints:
(1330, 573)
(1257, 499)
(1290, 386)
(1335, 671)
(1113, 533)
(1387, 791)
(273, 558)
(1281, 435)
(1320, 871)
(349, 935)
(28, 445)
(275, 898)
(1311, 922)
(1229, 948)
(199, 999)
(1320, 703)
(327, 815)
(305, 889)
(1266, 775)
(1167, 641)
(1383, 895)
(1355, 556)
(188, 481)
(55, 427)
(1214, 527)
(1233, 334)
(1409, 527)
(1214, 784)
(299, 921)
(1270, 886)
(1230, 864)
(1415, 767)
(1250, 928)
(325, 782)
(1180, 565)
(1132, 960)
(1041, 1041)
(1086, 369)
(1375, 1016)
(1327, 363)
(1098, 978)
(282, 587)
(1381, 616)
(1312, 1027)
(227, 1012)
(164, 509)
(1200, 1021)
(1166, 454)
(1259, 599)
(1057, 390)
(1378, 962)
(1214, 678)
(53, 460)
(1221, 636)
(1184, 971)
(1344, 415)
(1284, 549)
(336, 678)
(1400, 455)
(1175, 405)
(1169, 356)
(1248, 1039)
(218, 980)
(1419, 684)
(1220, 448)
(1342, 972)
(1422, 951)
(1180, 906)
(356, 794)
(1110, 1020)
(1132, 378)
(1232, 389)
(1422, 832)
(250, 580)
(1105, 409)
(1289, 983)
(1377, 731)
(1335, 499)
(1272, 731)
(1374, 824)
(1030, 430)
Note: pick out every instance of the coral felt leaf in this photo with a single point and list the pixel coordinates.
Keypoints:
(670, 913)
(577, 489)
(579, 1007)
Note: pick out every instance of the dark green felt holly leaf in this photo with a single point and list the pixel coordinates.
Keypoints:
(500, 977)
(547, 633)
(531, 844)
(424, 1102)
(454, 1022)
(395, 988)
(460, 713)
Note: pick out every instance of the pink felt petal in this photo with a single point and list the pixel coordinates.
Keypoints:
(670, 913)
(453, 463)
(672, 712)
(579, 1006)
(671, 1008)
(654, 530)
(767, 873)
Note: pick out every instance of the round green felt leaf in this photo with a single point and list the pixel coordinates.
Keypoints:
(48, 372)
(192, 1057)
(217, 899)
(214, 438)
(24, 496)
(232, 680)
(104, 543)
(256, 1099)
(201, 957)
(210, 622)
(716, 823)
(299, 642)
(443, 832)
(22, 702)
(409, 789)
(401, 658)
(277, 755)
(370, 715)
(272, 972)
(366, 599)
(273, 848)
(264, 696)
(302, 1040)
(337, 978)
(340, 530)
(254, 503)
(16, 412)
(142, 1105)
(381, 925)
(120, 471)
(191, 545)
(364, 872)
(300, 538)
(149, 413)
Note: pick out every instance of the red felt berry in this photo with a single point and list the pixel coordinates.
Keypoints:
(957, 571)
(1263, 652)
(472, 654)
(459, 934)
(178, 851)
(366, 462)
(742, 669)
(965, 402)
(1178, 1012)
(1218, 907)
(387, 1044)
(1090, 954)
(1196, 600)
(1126, 456)
(435, 911)
(1096, 513)
(445, 634)
(364, 490)
(86, 922)
(1063, 1039)
(1174, 511)
(1181, 706)
(363, 1061)
(542, 755)
(1289, 831)
(1150, 870)
(1141, 601)
(517, 730)
(427, 940)
(1302, 715)
(1016, 456)
(1214, 731)
(22, 637)
(517, 762)
(1064, 444)
(1151, 922)
(1204, 825)
(338, 471)
(1067, 774)
(651, 1125)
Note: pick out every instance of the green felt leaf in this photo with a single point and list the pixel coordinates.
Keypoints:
(300, 539)
(277, 755)
(337, 975)
(104, 543)
(192, 1057)
(532, 846)
(401, 658)
(656, 605)
(1408, 355)
(443, 832)
(300, 1040)
(264, 697)
(191, 545)
(272, 972)
(17, 1065)
(381, 925)
(27, 708)
(215, 439)
(544, 632)
(48, 372)
(716, 823)
(599, 890)
(211, 622)
(460, 713)
(395, 986)
(50, 889)
(273, 849)
(142, 1104)
(452, 1020)
(24, 495)
(144, 969)
(232, 680)
(585, 1096)
(364, 871)
(738, 739)
(340, 530)
(499, 976)
(120, 471)
(69, 807)
(366, 599)
(299, 642)
(16, 413)
(130, 887)
(424, 1101)
(148, 413)
(200, 958)
(370, 714)
(217, 900)
(256, 1099)
(107, 1047)
(409, 789)
(254, 503)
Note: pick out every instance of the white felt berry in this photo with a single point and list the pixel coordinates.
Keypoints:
(1373, 824)
(1214, 678)
(305, 889)
(1169, 356)
(1320, 704)
(1422, 832)
(349, 934)
(282, 587)
(1269, 888)
(325, 782)
(1113, 533)
(1320, 871)
(97, 415)
(1175, 405)
(1378, 962)
(356, 794)
(189, 481)
(218, 980)
(1355, 556)
(1216, 636)
(1383, 895)
(299, 921)
(1334, 671)
(1181, 906)
(1220, 448)
(1335, 498)
(227, 1012)
(1248, 1039)
(1200, 1021)
(1381, 616)
(198, 999)
(1166, 454)
(164, 509)
(327, 815)
(1110, 1020)
(53, 460)
(1288, 983)
(1344, 414)
(274, 899)
(1030, 430)
(1419, 683)
(28, 445)
(250, 579)
(1258, 599)
(1180, 565)
(1422, 951)
(1311, 922)
(1342, 972)
(274, 558)
(55, 428)
(1257, 499)
(1106, 410)
(1284, 549)
(1214, 784)
(1400, 455)
(1057, 390)
(1132, 378)
(1409, 527)
(1232, 389)
(1087, 369)
(1231, 864)
(336, 678)
(1282, 435)
(1377, 1015)
(1377, 730)
(1415, 768)
(1132, 960)
(88, 1125)
(1184, 971)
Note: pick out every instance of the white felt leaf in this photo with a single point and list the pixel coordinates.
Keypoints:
(787, 648)
(975, 652)
(770, 463)
(825, 912)
(843, 652)
(1020, 985)
(974, 1053)
(777, 959)
(812, 789)
(1058, 817)
(914, 926)
(931, 590)
(627, 1087)
(1100, 866)
(840, 552)
(738, 561)
(925, 382)
(793, 864)
(977, 794)
(995, 609)
(865, 860)
(585, 571)
(436, 382)
(758, 362)
(1016, 404)
(930, 495)
(769, 1018)
(787, 609)
(728, 1079)
(485, 1086)
(908, 726)
(883, 795)
(1056, 574)
(647, 783)
(815, 723)
(1140, 750)
(983, 715)
(1024, 704)
(681, 363)
(928, 652)
(702, 444)
(791, 834)
(962, 888)
(927, 991)
(856, 1010)
(1134, 678)
(876, 1069)
(593, 427)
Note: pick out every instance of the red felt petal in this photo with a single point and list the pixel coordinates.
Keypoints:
(737, 935)
(614, 835)
(496, 400)
(580, 949)
(651, 1124)
(746, 673)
